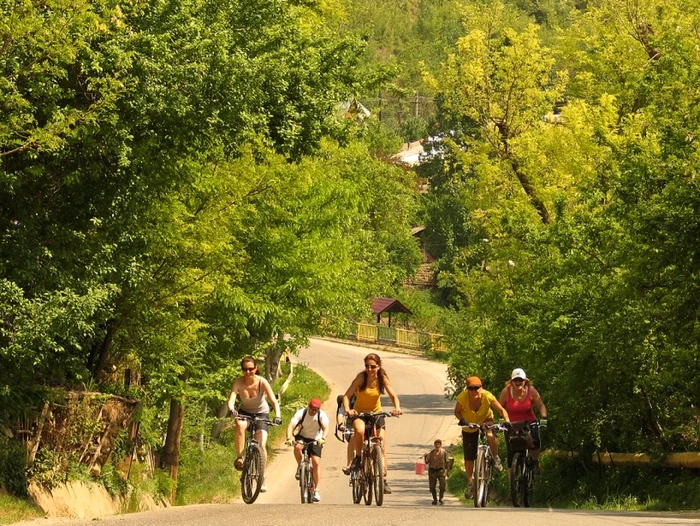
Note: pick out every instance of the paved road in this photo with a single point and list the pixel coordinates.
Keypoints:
(428, 415)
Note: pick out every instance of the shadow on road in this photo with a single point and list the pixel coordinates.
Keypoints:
(426, 404)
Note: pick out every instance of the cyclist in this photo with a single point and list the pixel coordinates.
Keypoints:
(341, 422)
(253, 390)
(310, 424)
(518, 397)
(367, 387)
(475, 406)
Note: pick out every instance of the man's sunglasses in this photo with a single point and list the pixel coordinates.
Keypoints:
(474, 387)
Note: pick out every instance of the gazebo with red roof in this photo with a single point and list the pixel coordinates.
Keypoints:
(382, 305)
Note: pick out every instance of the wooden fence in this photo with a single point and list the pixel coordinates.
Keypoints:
(426, 341)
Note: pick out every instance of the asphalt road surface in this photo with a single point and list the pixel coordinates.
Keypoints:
(420, 385)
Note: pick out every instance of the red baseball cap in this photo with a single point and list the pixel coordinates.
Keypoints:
(315, 403)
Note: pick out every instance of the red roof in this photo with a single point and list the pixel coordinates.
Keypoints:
(380, 305)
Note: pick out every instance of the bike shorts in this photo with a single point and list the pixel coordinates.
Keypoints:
(470, 445)
(262, 426)
(381, 421)
(314, 449)
(535, 432)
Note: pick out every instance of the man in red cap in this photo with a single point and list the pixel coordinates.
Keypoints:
(309, 425)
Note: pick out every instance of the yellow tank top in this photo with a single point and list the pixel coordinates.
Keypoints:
(368, 401)
(476, 417)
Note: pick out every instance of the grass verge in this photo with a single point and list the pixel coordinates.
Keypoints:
(15, 509)
(567, 483)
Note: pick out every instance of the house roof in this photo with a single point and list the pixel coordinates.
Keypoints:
(380, 305)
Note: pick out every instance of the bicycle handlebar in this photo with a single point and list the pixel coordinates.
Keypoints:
(381, 413)
(256, 419)
(493, 427)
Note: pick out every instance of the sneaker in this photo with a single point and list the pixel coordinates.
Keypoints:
(498, 466)
(317, 496)
(468, 491)
(441, 502)
(434, 502)
(387, 489)
(263, 488)
(238, 464)
(297, 475)
(341, 428)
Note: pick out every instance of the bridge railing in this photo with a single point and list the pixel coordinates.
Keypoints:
(381, 334)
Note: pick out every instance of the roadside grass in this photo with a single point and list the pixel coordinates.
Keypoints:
(15, 509)
(567, 483)
(208, 476)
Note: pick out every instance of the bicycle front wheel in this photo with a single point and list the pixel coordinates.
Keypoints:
(517, 480)
(528, 483)
(480, 479)
(378, 464)
(303, 469)
(253, 475)
(356, 483)
(368, 478)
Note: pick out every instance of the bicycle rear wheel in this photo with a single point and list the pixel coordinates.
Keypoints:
(252, 475)
(378, 464)
(517, 480)
(480, 478)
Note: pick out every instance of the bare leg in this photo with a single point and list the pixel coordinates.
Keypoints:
(316, 470)
(469, 470)
(239, 437)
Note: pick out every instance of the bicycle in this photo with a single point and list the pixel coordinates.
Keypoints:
(483, 465)
(253, 472)
(368, 478)
(522, 474)
(306, 476)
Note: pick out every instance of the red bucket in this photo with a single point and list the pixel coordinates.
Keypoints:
(420, 467)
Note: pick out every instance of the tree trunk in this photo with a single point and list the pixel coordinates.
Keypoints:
(272, 359)
(99, 354)
(171, 450)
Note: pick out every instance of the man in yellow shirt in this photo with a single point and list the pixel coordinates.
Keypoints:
(475, 406)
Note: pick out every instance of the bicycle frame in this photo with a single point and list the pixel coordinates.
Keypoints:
(368, 480)
(522, 474)
(306, 477)
(483, 465)
(253, 472)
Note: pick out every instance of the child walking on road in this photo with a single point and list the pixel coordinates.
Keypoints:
(438, 465)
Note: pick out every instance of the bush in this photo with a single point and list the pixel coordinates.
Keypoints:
(13, 472)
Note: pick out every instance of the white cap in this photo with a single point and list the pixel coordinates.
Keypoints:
(518, 373)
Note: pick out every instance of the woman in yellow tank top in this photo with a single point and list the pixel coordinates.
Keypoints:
(367, 387)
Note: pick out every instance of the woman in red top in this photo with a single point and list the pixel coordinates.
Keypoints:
(518, 398)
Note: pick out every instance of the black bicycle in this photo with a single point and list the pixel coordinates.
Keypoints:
(306, 476)
(253, 472)
(367, 480)
(483, 465)
(522, 475)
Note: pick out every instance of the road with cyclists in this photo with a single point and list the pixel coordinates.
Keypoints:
(420, 385)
